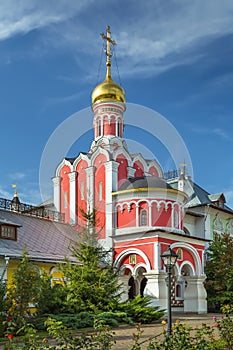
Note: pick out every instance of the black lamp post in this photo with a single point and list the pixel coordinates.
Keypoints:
(169, 258)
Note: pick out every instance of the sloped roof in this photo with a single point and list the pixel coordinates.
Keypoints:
(43, 239)
(144, 182)
(200, 196)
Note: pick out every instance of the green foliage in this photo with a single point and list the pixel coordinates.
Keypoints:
(114, 318)
(25, 288)
(183, 337)
(219, 271)
(2, 296)
(140, 311)
(92, 284)
(51, 298)
(83, 319)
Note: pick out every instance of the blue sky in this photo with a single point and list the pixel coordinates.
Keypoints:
(174, 56)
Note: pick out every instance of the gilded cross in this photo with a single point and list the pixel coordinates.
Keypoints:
(109, 42)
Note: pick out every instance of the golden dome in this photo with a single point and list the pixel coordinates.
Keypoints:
(108, 90)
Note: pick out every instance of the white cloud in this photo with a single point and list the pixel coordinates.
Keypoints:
(6, 193)
(229, 198)
(152, 36)
(17, 176)
(211, 131)
(23, 16)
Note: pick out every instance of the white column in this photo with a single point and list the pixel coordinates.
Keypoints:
(172, 216)
(111, 184)
(137, 215)
(195, 295)
(72, 177)
(56, 192)
(90, 172)
(156, 288)
(150, 214)
(131, 171)
(157, 259)
(124, 280)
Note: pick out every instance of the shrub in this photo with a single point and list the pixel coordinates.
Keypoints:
(114, 318)
(140, 310)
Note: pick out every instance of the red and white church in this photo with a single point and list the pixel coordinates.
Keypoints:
(140, 213)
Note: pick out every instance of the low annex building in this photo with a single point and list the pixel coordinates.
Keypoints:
(36, 230)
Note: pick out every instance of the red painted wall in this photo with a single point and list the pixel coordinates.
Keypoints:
(81, 178)
(109, 129)
(139, 169)
(100, 176)
(153, 171)
(125, 218)
(122, 169)
(65, 187)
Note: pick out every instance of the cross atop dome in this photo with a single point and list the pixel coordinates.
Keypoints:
(108, 90)
(109, 42)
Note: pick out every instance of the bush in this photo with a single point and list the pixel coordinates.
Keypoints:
(114, 318)
(140, 311)
(81, 320)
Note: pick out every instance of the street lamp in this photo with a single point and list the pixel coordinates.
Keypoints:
(169, 258)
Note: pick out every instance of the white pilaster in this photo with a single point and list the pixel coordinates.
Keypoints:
(137, 215)
(124, 280)
(90, 172)
(172, 216)
(150, 214)
(131, 171)
(157, 259)
(195, 295)
(72, 177)
(156, 288)
(56, 192)
(111, 181)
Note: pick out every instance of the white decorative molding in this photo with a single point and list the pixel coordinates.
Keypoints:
(218, 224)
(90, 175)
(80, 157)
(73, 191)
(123, 254)
(198, 271)
(57, 192)
(229, 227)
(60, 166)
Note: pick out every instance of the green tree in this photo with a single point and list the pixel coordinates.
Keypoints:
(24, 289)
(51, 297)
(91, 284)
(219, 271)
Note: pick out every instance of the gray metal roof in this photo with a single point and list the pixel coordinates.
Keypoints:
(43, 239)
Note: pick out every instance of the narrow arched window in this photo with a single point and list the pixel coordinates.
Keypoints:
(99, 127)
(118, 128)
(178, 291)
(176, 219)
(143, 217)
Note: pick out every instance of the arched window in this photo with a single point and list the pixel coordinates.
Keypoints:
(178, 291)
(99, 127)
(143, 218)
(118, 128)
(176, 219)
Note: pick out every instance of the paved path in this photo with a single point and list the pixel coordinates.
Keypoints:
(124, 334)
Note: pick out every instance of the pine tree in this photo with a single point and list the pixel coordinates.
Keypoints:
(92, 284)
(219, 271)
(24, 289)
